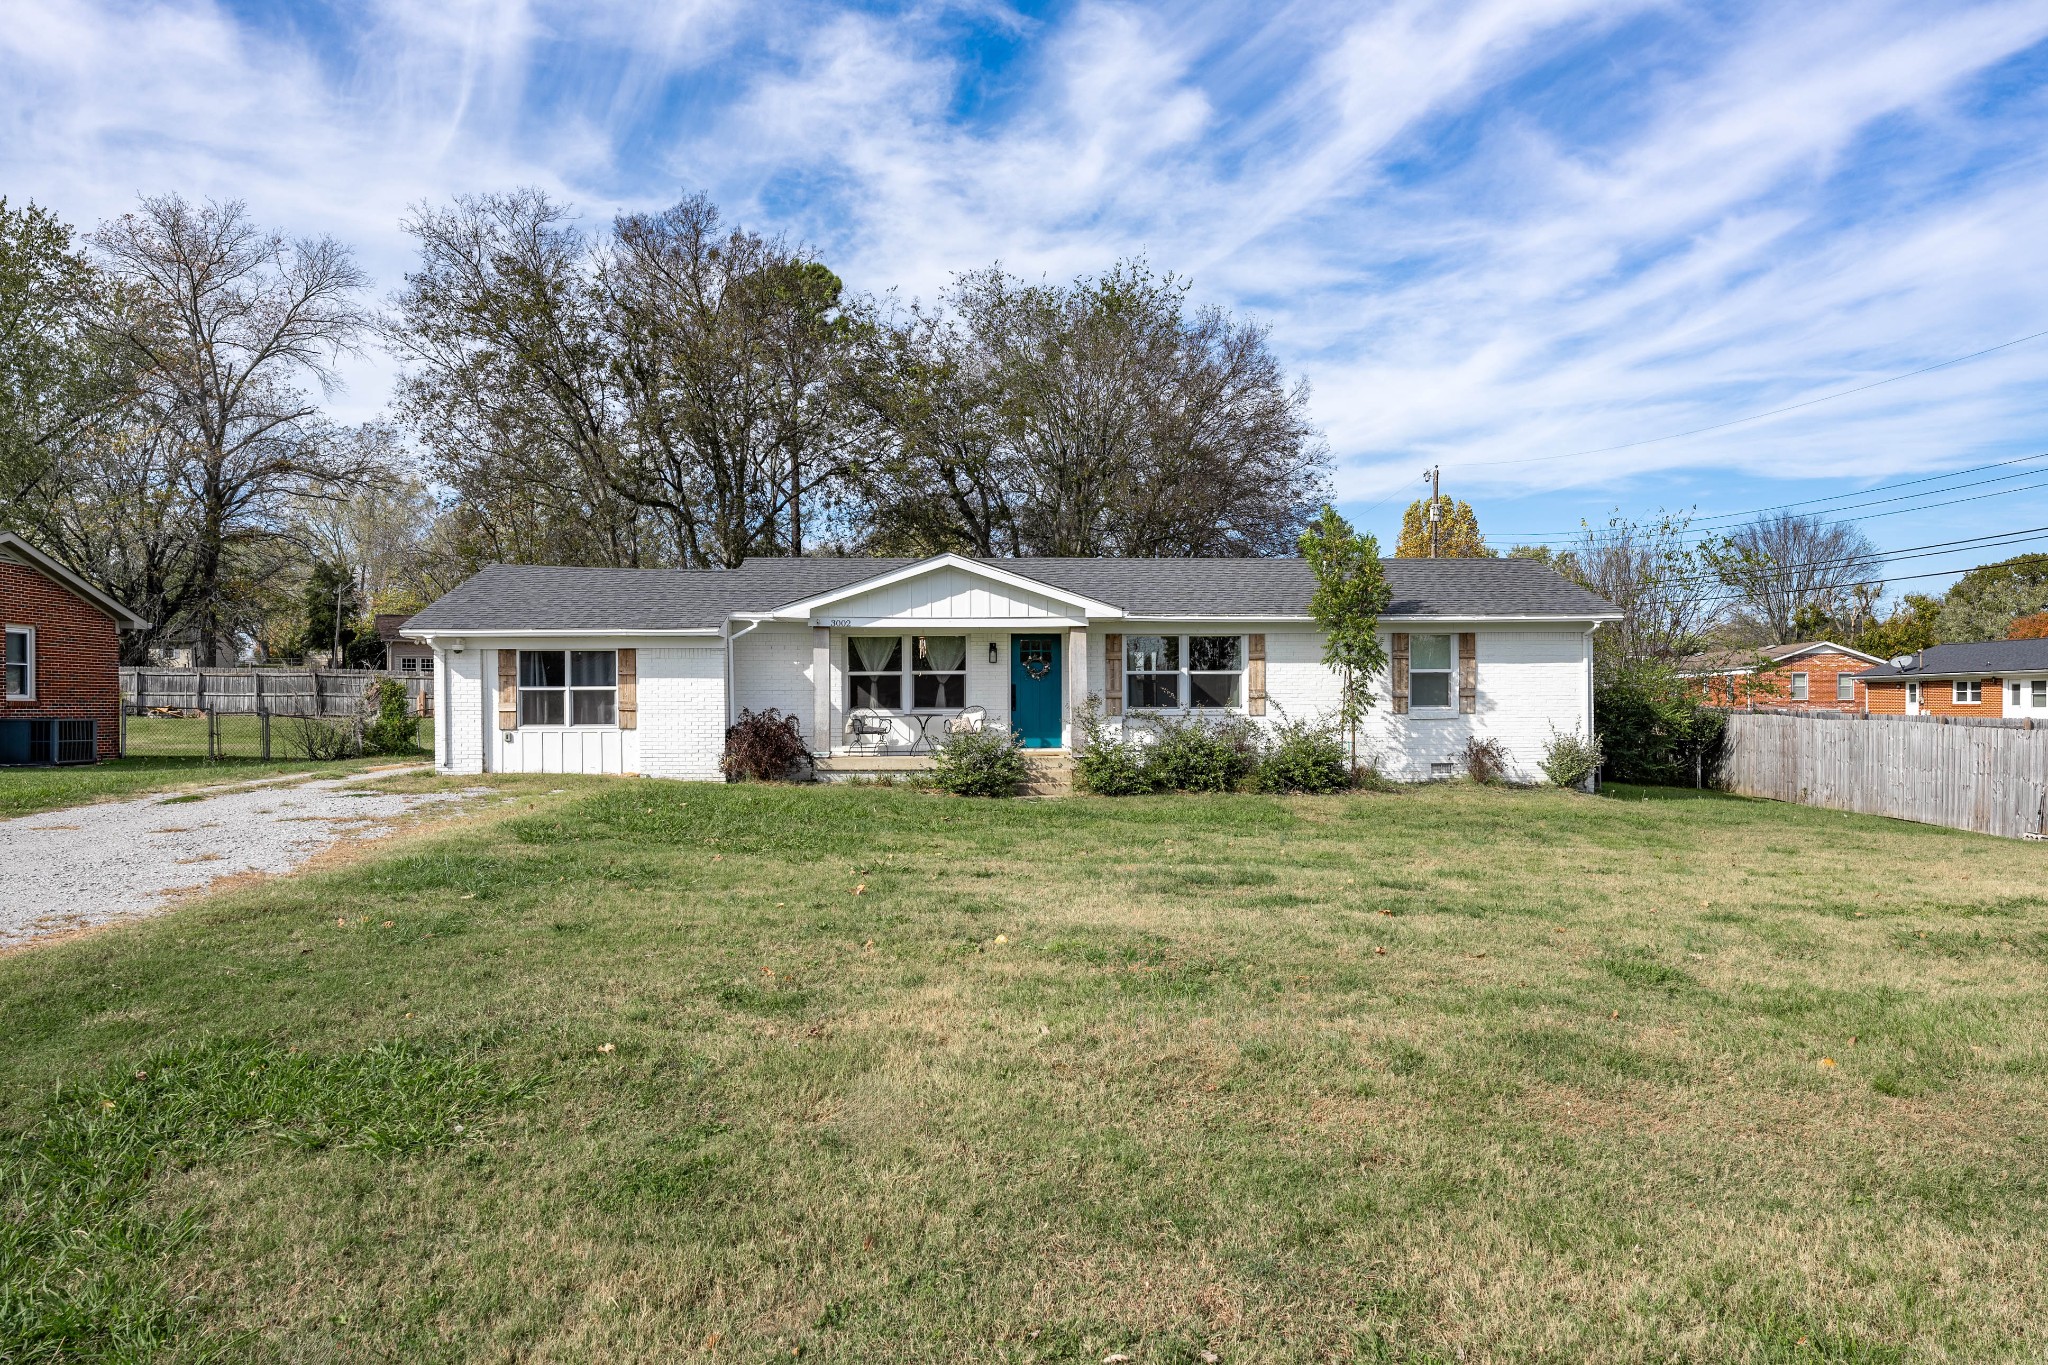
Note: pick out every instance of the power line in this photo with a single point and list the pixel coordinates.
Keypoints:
(1759, 416)
(1595, 535)
(1833, 497)
(1880, 582)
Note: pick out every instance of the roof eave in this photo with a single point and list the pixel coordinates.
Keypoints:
(124, 618)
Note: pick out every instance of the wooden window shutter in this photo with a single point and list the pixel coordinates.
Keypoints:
(1400, 673)
(1468, 673)
(508, 689)
(1255, 674)
(629, 689)
(1113, 675)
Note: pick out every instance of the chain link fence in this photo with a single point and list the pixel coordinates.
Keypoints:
(258, 713)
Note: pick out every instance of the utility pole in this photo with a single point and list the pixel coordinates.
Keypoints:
(1436, 488)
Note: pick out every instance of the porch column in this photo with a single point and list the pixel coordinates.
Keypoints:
(821, 691)
(1077, 681)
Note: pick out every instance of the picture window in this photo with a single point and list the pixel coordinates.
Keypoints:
(568, 687)
(1195, 672)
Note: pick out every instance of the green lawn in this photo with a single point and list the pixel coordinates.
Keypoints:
(240, 737)
(169, 753)
(629, 1070)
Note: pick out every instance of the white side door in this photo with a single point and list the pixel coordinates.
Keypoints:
(1912, 699)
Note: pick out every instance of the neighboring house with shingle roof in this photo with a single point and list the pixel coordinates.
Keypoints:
(1810, 675)
(1987, 678)
(640, 670)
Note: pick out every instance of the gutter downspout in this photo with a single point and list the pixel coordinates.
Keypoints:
(1590, 733)
(725, 627)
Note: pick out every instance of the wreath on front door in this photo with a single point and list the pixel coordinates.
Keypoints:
(1037, 666)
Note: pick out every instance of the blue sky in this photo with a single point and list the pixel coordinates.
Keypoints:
(1494, 236)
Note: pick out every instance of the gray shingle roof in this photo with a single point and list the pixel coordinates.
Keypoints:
(1990, 658)
(534, 597)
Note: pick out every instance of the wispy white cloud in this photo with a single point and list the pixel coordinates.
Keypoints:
(1486, 230)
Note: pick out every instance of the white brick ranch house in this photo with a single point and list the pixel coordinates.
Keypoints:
(545, 669)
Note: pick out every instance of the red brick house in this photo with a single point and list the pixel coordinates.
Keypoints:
(1812, 675)
(61, 699)
(1988, 678)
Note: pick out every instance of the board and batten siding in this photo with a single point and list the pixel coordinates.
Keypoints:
(677, 694)
(1988, 777)
(946, 594)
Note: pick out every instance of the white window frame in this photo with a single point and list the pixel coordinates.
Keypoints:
(1450, 707)
(1802, 687)
(1966, 691)
(907, 673)
(29, 673)
(1845, 687)
(1183, 673)
(567, 691)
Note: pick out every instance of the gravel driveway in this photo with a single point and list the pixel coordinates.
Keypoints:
(93, 865)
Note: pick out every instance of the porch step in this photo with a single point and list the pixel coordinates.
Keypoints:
(1047, 774)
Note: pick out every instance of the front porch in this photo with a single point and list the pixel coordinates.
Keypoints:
(1051, 770)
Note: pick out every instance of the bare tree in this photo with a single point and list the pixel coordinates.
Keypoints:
(1790, 572)
(728, 349)
(509, 387)
(227, 324)
(665, 393)
(1661, 581)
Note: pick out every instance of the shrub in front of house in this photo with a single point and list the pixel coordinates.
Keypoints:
(764, 746)
(1197, 755)
(1486, 761)
(1108, 764)
(1305, 756)
(392, 729)
(1569, 759)
(979, 763)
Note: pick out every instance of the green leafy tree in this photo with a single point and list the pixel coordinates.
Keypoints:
(1913, 625)
(333, 609)
(1983, 603)
(57, 375)
(1351, 593)
(1457, 532)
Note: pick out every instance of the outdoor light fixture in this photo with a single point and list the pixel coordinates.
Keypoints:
(992, 652)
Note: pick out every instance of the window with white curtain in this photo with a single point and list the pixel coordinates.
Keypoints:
(877, 665)
(938, 672)
(874, 672)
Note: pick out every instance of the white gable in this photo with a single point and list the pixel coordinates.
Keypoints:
(944, 593)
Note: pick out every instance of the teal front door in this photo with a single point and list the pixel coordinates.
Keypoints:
(1035, 690)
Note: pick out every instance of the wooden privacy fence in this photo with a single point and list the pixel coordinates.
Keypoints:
(261, 694)
(1990, 776)
(264, 691)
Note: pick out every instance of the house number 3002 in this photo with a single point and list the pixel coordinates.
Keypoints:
(837, 621)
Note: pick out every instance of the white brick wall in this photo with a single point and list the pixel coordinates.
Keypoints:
(1529, 681)
(771, 668)
(459, 729)
(682, 711)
